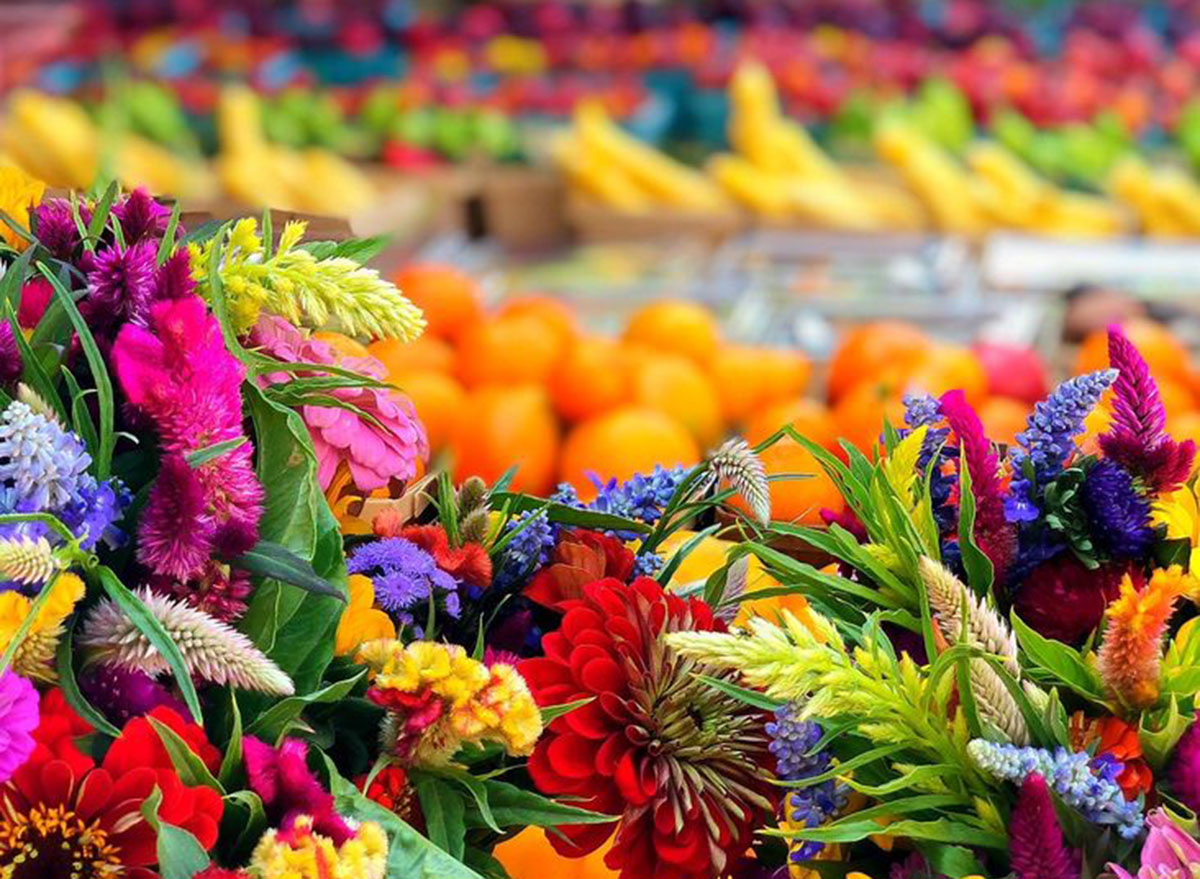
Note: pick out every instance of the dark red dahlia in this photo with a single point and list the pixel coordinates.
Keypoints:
(681, 764)
(1063, 600)
(580, 558)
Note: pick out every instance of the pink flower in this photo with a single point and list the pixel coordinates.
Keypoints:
(178, 373)
(375, 453)
(1035, 837)
(18, 720)
(1168, 852)
(288, 788)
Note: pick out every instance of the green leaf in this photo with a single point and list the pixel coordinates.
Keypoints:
(64, 664)
(944, 830)
(954, 861)
(267, 559)
(14, 278)
(242, 825)
(565, 515)
(742, 694)
(210, 453)
(180, 855)
(232, 760)
(167, 245)
(513, 806)
(148, 624)
(34, 374)
(444, 813)
(552, 713)
(102, 460)
(1060, 660)
(668, 571)
(81, 417)
(410, 854)
(187, 763)
(101, 211)
(1161, 731)
(360, 250)
(977, 565)
(275, 722)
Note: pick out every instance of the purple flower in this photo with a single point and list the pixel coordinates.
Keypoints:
(121, 286)
(174, 279)
(121, 694)
(141, 216)
(1184, 771)
(94, 511)
(56, 227)
(10, 355)
(18, 720)
(1118, 514)
(403, 575)
(1137, 439)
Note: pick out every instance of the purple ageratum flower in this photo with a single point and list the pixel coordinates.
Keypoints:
(1184, 771)
(56, 227)
(1048, 440)
(141, 216)
(18, 720)
(122, 695)
(1119, 515)
(403, 575)
(121, 285)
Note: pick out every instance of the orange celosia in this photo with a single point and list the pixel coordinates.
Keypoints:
(1131, 653)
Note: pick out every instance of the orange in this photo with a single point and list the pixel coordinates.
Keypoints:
(625, 441)
(450, 298)
(439, 401)
(678, 326)
(425, 353)
(948, 368)
(1165, 354)
(508, 351)
(860, 414)
(506, 426)
(529, 855)
(873, 351)
(593, 377)
(676, 386)
(1003, 418)
(343, 344)
(748, 378)
(1185, 426)
(809, 418)
(556, 315)
(1177, 398)
(797, 500)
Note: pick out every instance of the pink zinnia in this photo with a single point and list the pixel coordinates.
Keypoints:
(375, 453)
(18, 720)
(178, 373)
(1035, 839)
(288, 788)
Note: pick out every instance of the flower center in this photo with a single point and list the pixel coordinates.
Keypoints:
(52, 842)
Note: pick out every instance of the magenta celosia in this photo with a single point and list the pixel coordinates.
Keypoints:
(288, 788)
(36, 294)
(995, 536)
(1137, 438)
(377, 450)
(1035, 839)
(174, 279)
(178, 373)
(121, 284)
(56, 228)
(1185, 768)
(141, 216)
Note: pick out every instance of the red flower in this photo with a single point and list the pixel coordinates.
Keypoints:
(681, 764)
(580, 558)
(469, 563)
(1119, 740)
(390, 788)
(221, 873)
(62, 815)
(1063, 600)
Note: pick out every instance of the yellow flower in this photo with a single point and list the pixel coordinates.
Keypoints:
(361, 621)
(19, 193)
(1179, 511)
(35, 657)
(302, 854)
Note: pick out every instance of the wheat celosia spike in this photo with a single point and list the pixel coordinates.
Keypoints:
(1130, 657)
(26, 560)
(948, 596)
(213, 651)
(737, 464)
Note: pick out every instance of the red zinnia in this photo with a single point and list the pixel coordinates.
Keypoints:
(580, 558)
(63, 815)
(1063, 600)
(390, 788)
(681, 763)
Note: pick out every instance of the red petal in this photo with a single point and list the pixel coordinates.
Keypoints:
(573, 756)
